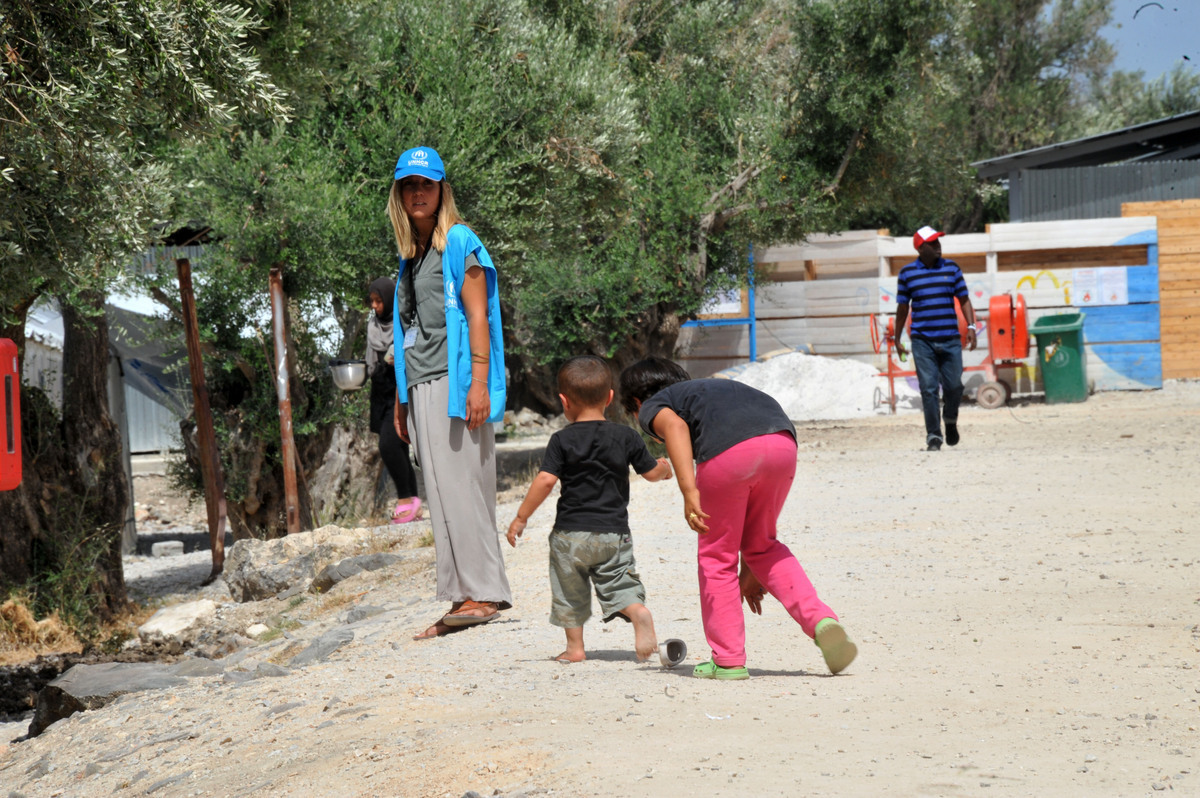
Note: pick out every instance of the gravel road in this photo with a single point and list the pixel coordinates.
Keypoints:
(1025, 606)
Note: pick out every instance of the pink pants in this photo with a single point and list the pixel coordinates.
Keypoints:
(743, 490)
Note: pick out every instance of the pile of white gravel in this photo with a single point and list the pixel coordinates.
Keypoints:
(815, 388)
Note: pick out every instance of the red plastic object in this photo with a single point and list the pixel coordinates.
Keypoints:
(10, 416)
(1008, 331)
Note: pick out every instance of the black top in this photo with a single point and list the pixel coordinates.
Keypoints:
(719, 413)
(592, 459)
(383, 393)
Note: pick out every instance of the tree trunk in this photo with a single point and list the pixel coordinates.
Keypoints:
(18, 507)
(94, 474)
(65, 519)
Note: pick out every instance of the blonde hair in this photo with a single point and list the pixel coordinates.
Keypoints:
(406, 242)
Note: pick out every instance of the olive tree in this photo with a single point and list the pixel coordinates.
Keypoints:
(91, 92)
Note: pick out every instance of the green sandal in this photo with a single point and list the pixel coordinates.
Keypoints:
(711, 670)
(836, 647)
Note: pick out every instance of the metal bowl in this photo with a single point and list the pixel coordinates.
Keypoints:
(349, 375)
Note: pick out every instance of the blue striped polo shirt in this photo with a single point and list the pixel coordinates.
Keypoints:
(930, 290)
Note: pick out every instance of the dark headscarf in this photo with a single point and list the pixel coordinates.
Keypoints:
(386, 288)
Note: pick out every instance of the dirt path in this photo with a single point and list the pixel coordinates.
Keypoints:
(1025, 607)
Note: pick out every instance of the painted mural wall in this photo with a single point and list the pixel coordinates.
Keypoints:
(1104, 268)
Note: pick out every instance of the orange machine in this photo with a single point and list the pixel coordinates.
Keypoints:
(10, 416)
(1008, 346)
(1008, 332)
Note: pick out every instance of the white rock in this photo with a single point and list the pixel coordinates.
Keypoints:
(257, 630)
(176, 621)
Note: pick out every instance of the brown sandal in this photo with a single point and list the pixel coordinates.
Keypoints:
(471, 613)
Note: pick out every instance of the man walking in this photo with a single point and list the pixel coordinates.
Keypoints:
(930, 284)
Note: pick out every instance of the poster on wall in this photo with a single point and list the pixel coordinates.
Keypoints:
(731, 304)
(1100, 286)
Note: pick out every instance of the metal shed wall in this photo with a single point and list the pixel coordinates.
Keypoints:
(1096, 192)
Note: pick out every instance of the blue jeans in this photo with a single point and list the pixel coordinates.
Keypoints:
(939, 364)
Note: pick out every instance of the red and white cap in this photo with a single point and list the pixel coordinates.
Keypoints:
(925, 235)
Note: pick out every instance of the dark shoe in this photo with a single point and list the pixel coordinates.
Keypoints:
(951, 434)
(935, 445)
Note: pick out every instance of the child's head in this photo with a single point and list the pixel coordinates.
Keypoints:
(647, 377)
(585, 381)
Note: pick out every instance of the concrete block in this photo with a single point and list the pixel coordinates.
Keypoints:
(167, 548)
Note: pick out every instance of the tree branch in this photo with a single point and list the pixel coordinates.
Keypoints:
(832, 188)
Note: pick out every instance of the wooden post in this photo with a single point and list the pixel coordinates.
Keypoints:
(282, 390)
(210, 462)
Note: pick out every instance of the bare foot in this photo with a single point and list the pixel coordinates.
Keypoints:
(568, 656)
(645, 642)
(440, 628)
(437, 630)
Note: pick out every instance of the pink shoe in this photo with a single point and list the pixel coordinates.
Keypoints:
(407, 512)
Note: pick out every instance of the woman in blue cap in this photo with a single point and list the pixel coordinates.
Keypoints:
(447, 313)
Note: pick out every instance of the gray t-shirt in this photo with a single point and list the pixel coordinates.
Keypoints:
(423, 304)
(719, 413)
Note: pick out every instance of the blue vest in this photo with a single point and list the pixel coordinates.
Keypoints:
(460, 242)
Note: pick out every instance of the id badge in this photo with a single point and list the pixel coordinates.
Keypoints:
(410, 337)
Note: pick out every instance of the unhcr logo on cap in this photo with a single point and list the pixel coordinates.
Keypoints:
(422, 162)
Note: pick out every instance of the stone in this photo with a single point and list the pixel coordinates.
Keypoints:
(179, 622)
(197, 666)
(320, 649)
(86, 687)
(167, 782)
(363, 612)
(269, 670)
(259, 569)
(257, 630)
(344, 569)
(167, 548)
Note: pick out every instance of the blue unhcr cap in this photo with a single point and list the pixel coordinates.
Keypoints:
(422, 161)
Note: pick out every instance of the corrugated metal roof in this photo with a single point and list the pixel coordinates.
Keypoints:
(1173, 138)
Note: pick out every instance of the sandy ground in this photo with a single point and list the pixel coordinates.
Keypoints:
(1025, 607)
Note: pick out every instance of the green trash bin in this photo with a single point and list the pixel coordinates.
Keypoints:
(1061, 357)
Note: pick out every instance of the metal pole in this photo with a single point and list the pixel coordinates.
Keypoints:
(753, 319)
(288, 451)
(210, 462)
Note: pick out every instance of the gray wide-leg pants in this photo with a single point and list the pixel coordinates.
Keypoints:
(459, 468)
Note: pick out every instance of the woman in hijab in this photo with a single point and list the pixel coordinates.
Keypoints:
(380, 365)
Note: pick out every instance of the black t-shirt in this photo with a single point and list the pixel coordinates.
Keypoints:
(592, 459)
(719, 413)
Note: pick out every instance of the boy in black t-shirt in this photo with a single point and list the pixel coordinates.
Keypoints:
(590, 542)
